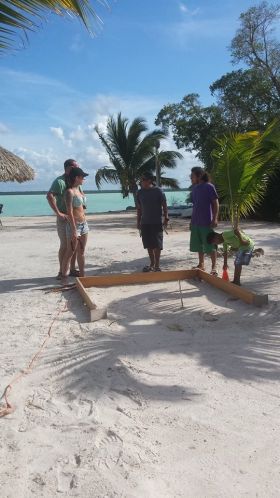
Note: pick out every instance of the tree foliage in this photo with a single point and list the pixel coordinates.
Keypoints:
(193, 126)
(244, 162)
(18, 17)
(131, 152)
(246, 99)
(255, 44)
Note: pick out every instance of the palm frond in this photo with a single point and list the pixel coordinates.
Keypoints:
(18, 17)
(107, 175)
(169, 182)
(243, 164)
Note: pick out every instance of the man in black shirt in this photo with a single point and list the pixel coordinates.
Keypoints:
(151, 204)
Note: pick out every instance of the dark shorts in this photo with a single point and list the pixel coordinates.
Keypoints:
(198, 240)
(152, 236)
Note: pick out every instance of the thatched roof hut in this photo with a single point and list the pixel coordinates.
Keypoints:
(13, 168)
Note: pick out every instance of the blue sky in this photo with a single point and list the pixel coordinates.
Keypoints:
(147, 54)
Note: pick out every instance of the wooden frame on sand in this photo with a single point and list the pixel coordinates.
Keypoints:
(96, 313)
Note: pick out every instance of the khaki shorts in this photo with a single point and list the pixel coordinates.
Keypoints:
(61, 230)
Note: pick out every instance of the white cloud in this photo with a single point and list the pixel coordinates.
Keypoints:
(58, 132)
(4, 128)
(64, 127)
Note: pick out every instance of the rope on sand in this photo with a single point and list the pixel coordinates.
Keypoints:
(6, 410)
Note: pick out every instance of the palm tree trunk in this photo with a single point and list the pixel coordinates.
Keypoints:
(133, 189)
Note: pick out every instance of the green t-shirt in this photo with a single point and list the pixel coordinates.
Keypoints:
(231, 240)
(58, 188)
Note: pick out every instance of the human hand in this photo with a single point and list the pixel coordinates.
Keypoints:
(237, 231)
(63, 216)
(166, 220)
(214, 223)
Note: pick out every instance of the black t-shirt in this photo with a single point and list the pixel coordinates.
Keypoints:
(150, 201)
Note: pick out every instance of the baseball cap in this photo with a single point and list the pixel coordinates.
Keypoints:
(147, 176)
(77, 172)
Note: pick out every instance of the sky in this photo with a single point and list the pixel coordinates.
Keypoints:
(145, 55)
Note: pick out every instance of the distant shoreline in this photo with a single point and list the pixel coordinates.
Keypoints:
(44, 192)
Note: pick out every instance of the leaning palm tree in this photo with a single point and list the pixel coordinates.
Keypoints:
(131, 152)
(243, 165)
(18, 17)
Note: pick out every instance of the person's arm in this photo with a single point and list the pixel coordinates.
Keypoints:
(70, 216)
(52, 202)
(215, 211)
(242, 241)
(139, 212)
(165, 211)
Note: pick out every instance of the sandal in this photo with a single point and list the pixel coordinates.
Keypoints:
(198, 268)
(147, 268)
(157, 268)
(74, 273)
(214, 273)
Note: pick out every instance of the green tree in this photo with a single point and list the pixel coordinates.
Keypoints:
(254, 43)
(18, 17)
(132, 151)
(193, 126)
(243, 165)
(247, 99)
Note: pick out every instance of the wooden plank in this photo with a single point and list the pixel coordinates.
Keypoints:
(136, 278)
(86, 298)
(95, 313)
(234, 290)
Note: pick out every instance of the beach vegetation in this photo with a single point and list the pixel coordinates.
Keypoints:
(20, 17)
(245, 99)
(243, 164)
(132, 151)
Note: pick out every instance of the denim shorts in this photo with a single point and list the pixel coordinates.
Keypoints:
(243, 257)
(81, 229)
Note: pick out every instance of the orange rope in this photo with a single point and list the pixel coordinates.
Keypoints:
(6, 410)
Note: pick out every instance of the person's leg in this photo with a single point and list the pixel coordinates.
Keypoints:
(61, 232)
(209, 249)
(237, 274)
(157, 253)
(81, 253)
(197, 246)
(67, 258)
(213, 256)
(73, 263)
(201, 260)
(152, 257)
(158, 244)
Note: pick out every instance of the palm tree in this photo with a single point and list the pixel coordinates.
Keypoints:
(21, 16)
(131, 154)
(243, 165)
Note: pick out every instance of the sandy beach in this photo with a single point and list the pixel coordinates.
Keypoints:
(155, 401)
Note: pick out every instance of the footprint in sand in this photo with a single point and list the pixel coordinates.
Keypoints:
(109, 449)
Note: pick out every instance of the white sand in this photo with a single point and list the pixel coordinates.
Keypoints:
(157, 400)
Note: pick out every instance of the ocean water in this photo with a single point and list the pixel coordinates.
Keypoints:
(36, 204)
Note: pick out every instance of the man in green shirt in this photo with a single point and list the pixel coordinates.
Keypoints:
(236, 240)
(55, 197)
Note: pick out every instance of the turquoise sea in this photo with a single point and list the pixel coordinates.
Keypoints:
(31, 204)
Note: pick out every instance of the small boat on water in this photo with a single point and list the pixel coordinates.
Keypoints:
(180, 210)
